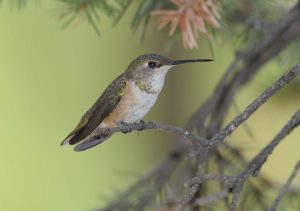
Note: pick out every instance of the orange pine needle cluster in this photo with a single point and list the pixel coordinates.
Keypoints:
(191, 16)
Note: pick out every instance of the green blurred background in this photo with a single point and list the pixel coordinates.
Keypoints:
(49, 77)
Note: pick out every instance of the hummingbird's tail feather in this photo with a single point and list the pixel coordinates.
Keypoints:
(67, 140)
(91, 142)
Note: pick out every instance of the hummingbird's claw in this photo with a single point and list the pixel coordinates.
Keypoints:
(142, 125)
(124, 126)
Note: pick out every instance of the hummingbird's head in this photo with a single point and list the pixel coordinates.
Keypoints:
(149, 64)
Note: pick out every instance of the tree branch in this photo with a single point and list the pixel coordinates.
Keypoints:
(206, 200)
(286, 187)
(237, 121)
(252, 169)
(256, 163)
(140, 126)
(257, 103)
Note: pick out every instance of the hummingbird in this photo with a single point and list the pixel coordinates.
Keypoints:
(127, 99)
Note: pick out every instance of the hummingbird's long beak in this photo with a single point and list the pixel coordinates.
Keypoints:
(176, 62)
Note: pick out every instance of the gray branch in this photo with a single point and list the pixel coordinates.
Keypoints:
(286, 187)
(206, 200)
(257, 103)
(256, 163)
(139, 126)
(252, 169)
(237, 121)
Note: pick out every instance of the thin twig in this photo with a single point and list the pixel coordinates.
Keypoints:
(212, 198)
(257, 103)
(286, 187)
(256, 163)
(139, 126)
(205, 177)
(237, 121)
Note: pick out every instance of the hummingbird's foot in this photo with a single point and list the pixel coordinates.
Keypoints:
(142, 125)
(124, 126)
(141, 122)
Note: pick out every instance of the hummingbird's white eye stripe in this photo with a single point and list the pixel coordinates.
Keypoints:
(165, 68)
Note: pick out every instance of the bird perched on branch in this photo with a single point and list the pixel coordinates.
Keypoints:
(127, 99)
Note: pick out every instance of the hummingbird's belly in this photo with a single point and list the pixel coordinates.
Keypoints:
(133, 106)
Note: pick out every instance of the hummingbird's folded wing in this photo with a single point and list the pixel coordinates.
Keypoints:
(91, 142)
(98, 112)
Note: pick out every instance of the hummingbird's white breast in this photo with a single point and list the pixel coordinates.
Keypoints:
(145, 98)
(136, 101)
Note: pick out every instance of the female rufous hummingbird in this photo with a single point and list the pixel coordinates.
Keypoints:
(127, 99)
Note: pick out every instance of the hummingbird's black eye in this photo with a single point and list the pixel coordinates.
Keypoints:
(151, 64)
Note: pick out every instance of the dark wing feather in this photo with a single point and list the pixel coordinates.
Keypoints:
(98, 112)
(91, 142)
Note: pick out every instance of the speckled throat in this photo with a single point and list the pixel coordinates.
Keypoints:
(145, 87)
(152, 83)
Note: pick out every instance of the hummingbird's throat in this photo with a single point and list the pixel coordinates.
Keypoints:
(152, 83)
(145, 87)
